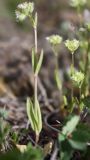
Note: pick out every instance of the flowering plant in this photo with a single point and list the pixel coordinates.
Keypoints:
(54, 39)
(77, 78)
(24, 10)
(72, 45)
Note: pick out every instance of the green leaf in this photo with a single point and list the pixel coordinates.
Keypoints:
(66, 150)
(3, 113)
(35, 20)
(65, 100)
(39, 63)
(34, 115)
(77, 145)
(86, 101)
(31, 153)
(70, 125)
(58, 81)
(61, 137)
(81, 65)
(66, 155)
(34, 60)
(82, 134)
(38, 116)
(31, 114)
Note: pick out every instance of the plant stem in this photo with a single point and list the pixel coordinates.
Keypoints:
(80, 93)
(72, 70)
(57, 65)
(35, 77)
(37, 138)
(84, 88)
(57, 69)
(35, 87)
(35, 34)
(72, 63)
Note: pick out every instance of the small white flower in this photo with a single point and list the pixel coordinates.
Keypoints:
(54, 39)
(24, 10)
(77, 78)
(72, 45)
(20, 16)
(23, 5)
(26, 6)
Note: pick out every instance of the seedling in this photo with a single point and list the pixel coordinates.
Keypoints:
(68, 138)
(26, 10)
(72, 46)
(55, 41)
(77, 78)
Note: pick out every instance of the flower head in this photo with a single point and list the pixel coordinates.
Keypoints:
(77, 78)
(24, 10)
(72, 45)
(76, 3)
(20, 16)
(54, 39)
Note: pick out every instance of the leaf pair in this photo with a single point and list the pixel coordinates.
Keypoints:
(36, 64)
(34, 115)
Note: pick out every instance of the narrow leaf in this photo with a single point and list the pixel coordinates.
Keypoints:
(39, 63)
(38, 116)
(65, 100)
(34, 115)
(35, 20)
(58, 81)
(31, 114)
(34, 60)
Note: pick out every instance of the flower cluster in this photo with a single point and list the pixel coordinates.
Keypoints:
(76, 3)
(54, 39)
(72, 45)
(77, 78)
(24, 10)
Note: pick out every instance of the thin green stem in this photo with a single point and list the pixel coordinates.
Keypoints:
(72, 62)
(57, 69)
(37, 138)
(35, 75)
(80, 93)
(35, 34)
(72, 70)
(57, 65)
(35, 78)
(35, 88)
(84, 86)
